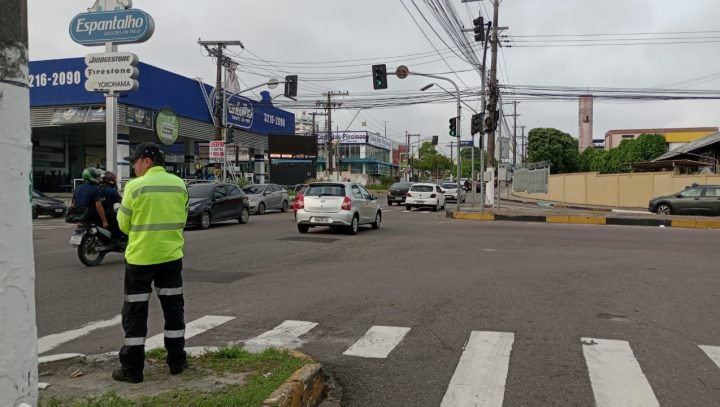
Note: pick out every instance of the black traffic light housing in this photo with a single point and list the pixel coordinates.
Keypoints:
(291, 86)
(476, 124)
(434, 140)
(453, 127)
(491, 121)
(379, 73)
(479, 28)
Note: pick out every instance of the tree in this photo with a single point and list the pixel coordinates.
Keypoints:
(646, 147)
(586, 159)
(430, 160)
(554, 146)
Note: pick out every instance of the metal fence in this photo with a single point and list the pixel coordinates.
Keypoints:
(531, 178)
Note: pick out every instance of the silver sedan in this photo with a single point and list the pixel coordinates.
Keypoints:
(337, 204)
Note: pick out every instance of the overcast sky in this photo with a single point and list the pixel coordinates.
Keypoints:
(309, 32)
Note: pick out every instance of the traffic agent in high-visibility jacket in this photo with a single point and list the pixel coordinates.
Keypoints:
(153, 215)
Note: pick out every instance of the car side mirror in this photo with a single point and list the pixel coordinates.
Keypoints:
(678, 195)
(267, 193)
(373, 197)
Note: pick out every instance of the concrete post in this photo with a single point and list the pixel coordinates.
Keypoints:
(123, 150)
(18, 340)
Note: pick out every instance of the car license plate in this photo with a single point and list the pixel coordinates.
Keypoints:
(76, 239)
(321, 220)
(58, 210)
(420, 202)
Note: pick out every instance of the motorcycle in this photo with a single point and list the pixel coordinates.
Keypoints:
(93, 243)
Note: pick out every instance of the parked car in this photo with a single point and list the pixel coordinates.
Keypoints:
(397, 192)
(451, 192)
(267, 196)
(210, 203)
(298, 187)
(694, 200)
(44, 205)
(425, 195)
(337, 204)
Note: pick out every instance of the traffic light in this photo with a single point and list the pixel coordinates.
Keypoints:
(479, 28)
(435, 140)
(453, 127)
(291, 85)
(476, 125)
(379, 76)
(491, 121)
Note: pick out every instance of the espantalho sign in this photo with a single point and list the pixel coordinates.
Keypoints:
(118, 26)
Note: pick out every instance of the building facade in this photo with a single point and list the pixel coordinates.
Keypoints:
(68, 124)
(360, 155)
(675, 137)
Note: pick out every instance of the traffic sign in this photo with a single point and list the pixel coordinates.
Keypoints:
(466, 143)
(402, 72)
(217, 151)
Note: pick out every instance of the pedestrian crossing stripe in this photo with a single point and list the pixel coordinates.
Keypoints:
(479, 378)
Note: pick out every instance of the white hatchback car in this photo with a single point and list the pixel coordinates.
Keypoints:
(425, 195)
(337, 204)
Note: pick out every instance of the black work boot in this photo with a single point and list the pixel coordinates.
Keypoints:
(178, 368)
(120, 375)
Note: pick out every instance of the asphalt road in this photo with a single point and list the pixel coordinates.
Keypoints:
(547, 286)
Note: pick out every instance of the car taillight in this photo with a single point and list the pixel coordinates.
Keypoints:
(347, 204)
(299, 202)
(433, 196)
(409, 194)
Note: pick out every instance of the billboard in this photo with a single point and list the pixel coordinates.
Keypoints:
(291, 146)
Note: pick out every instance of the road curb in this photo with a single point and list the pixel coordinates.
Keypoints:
(586, 220)
(308, 386)
(561, 206)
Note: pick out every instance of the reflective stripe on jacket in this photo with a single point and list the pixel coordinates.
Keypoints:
(153, 215)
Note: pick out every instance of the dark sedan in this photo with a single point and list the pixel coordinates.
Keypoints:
(701, 200)
(211, 203)
(398, 192)
(44, 205)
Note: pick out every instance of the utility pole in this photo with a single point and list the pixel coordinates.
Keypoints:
(515, 116)
(18, 360)
(328, 143)
(495, 39)
(215, 49)
(386, 122)
(314, 126)
(524, 145)
(452, 148)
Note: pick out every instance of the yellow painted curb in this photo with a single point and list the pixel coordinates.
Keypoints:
(484, 217)
(695, 224)
(576, 220)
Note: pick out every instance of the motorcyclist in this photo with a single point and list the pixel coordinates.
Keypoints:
(109, 196)
(87, 197)
(467, 185)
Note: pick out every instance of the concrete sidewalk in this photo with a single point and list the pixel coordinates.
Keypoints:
(587, 218)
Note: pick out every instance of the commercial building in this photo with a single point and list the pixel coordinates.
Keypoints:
(68, 124)
(675, 137)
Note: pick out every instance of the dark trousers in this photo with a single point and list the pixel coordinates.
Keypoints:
(167, 278)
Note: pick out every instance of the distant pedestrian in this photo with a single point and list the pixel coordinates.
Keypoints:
(153, 215)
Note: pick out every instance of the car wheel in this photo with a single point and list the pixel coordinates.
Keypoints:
(408, 207)
(303, 228)
(378, 221)
(390, 203)
(261, 209)
(354, 225)
(284, 207)
(435, 208)
(244, 216)
(205, 220)
(34, 213)
(664, 209)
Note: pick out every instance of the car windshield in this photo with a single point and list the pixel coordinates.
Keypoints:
(449, 186)
(325, 190)
(254, 189)
(200, 190)
(401, 185)
(422, 188)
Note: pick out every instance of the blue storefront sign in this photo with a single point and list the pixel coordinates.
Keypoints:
(240, 112)
(120, 27)
(60, 82)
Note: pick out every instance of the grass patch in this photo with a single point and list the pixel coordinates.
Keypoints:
(157, 353)
(268, 370)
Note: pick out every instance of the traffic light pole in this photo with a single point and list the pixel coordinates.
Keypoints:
(459, 127)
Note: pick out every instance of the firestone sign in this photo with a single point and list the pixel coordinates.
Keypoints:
(118, 26)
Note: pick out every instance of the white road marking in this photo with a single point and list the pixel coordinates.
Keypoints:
(713, 353)
(615, 374)
(387, 210)
(284, 336)
(645, 212)
(377, 342)
(192, 329)
(479, 379)
(59, 356)
(50, 342)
